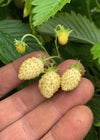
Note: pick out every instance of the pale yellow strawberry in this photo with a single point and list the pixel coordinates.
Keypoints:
(31, 68)
(49, 84)
(20, 46)
(62, 34)
(71, 77)
(63, 38)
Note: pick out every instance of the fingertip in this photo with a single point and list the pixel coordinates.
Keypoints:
(84, 114)
(87, 88)
(82, 121)
(88, 114)
(76, 122)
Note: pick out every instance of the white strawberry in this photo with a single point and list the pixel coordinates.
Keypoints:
(71, 77)
(31, 68)
(49, 83)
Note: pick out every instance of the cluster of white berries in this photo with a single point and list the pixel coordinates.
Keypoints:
(50, 81)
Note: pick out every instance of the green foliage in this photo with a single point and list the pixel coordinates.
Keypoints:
(80, 16)
(4, 2)
(96, 51)
(10, 30)
(1, 1)
(7, 51)
(44, 9)
(15, 28)
(27, 8)
(94, 104)
(92, 135)
(83, 30)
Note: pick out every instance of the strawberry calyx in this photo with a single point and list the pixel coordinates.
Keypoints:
(19, 42)
(51, 68)
(44, 60)
(62, 30)
(77, 67)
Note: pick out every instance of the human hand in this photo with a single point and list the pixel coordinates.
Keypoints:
(27, 115)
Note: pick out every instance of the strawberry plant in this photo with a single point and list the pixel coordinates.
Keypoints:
(64, 29)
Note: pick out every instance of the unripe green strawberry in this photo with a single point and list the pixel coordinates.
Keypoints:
(31, 68)
(49, 84)
(71, 77)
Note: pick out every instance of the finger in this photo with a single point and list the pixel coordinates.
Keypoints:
(9, 74)
(37, 122)
(80, 95)
(27, 99)
(17, 105)
(74, 125)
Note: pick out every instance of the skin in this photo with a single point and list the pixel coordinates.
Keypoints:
(27, 115)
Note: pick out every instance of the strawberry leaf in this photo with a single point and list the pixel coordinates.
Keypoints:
(9, 31)
(15, 28)
(83, 30)
(94, 105)
(44, 9)
(96, 51)
(8, 52)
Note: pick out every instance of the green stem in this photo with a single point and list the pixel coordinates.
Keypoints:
(59, 27)
(56, 39)
(88, 9)
(31, 35)
(51, 57)
(57, 46)
(36, 40)
(98, 4)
